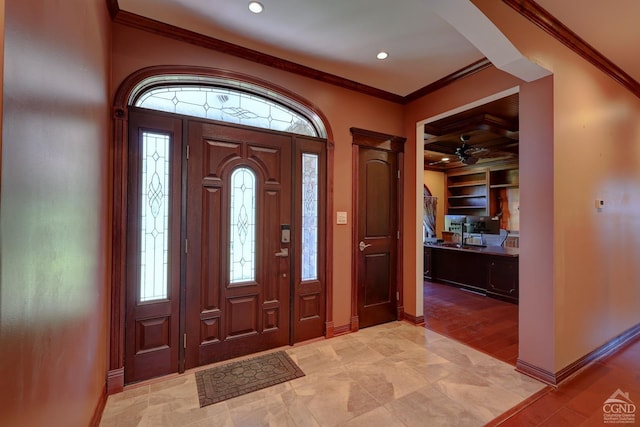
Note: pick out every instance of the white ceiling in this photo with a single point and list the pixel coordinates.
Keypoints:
(342, 37)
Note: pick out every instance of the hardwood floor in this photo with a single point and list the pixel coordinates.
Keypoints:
(579, 401)
(483, 323)
(491, 326)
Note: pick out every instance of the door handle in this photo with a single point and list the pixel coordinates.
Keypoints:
(363, 246)
(284, 252)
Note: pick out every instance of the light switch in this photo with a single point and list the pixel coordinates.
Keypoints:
(599, 203)
(341, 217)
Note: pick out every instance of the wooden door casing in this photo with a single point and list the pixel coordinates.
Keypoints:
(377, 239)
(152, 328)
(225, 320)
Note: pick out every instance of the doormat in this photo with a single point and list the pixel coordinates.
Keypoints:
(237, 378)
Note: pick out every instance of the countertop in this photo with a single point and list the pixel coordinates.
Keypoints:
(488, 250)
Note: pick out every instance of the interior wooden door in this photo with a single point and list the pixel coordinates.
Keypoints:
(153, 246)
(238, 269)
(377, 237)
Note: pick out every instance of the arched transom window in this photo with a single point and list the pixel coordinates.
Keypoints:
(228, 105)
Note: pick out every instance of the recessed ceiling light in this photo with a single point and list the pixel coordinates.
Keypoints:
(382, 55)
(256, 7)
(445, 159)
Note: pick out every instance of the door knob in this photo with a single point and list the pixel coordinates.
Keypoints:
(284, 252)
(363, 246)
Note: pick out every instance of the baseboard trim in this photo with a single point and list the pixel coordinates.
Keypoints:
(554, 379)
(115, 381)
(535, 372)
(414, 320)
(355, 324)
(341, 330)
(97, 413)
(329, 330)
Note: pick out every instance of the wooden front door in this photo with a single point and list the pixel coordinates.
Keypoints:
(242, 259)
(377, 236)
(238, 269)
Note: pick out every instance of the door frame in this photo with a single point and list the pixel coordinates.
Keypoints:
(380, 141)
(131, 86)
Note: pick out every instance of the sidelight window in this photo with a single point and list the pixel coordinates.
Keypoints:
(242, 242)
(154, 224)
(309, 216)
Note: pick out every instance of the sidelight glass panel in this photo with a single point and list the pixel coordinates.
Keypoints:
(242, 244)
(309, 216)
(228, 105)
(154, 224)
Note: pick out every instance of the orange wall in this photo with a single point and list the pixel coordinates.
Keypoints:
(134, 49)
(596, 276)
(55, 124)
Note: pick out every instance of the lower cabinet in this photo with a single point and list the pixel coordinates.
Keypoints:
(427, 263)
(502, 278)
(486, 272)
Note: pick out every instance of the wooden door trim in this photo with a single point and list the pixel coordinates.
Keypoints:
(381, 141)
(118, 158)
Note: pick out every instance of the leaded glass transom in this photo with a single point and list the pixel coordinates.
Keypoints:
(309, 216)
(242, 242)
(154, 243)
(228, 105)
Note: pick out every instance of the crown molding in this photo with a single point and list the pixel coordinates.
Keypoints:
(150, 25)
(543, 19)
(447, 80)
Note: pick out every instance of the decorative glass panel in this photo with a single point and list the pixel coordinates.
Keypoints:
(309, 216)
(228, 105)
(154, 224)
(242, 245)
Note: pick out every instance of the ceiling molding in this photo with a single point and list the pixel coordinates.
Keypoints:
(447, 80)
(150, 25)
(543, 19)
(146, 24)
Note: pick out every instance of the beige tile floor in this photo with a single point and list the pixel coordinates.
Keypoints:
(394, 374)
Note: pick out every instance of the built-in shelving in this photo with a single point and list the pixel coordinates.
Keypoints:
(476, 191)
(467, 193)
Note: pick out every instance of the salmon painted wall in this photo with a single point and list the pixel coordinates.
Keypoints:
(596, 155)
(53, 288)
(134, 49)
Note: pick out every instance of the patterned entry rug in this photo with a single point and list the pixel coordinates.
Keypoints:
(237, 378)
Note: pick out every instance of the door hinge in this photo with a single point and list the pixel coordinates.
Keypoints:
(184, 340)
(188, 152)
(398, 173)
(397, 295)
(398, 234)
(186, 246)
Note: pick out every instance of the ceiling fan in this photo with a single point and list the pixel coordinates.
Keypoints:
(469, 155)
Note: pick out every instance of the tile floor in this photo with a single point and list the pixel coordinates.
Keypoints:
(394, 374)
